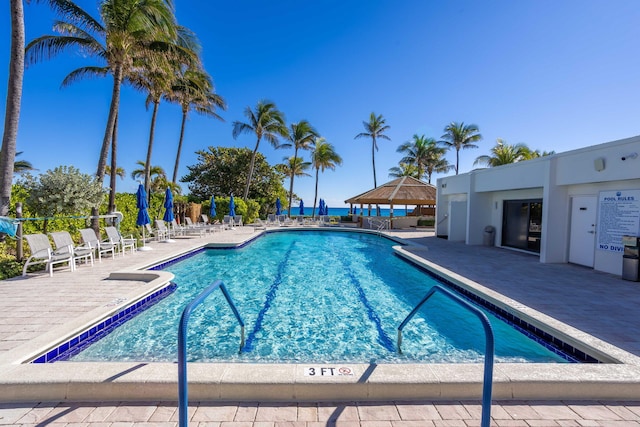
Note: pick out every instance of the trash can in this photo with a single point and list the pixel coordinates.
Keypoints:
(489, 235)
(631, 258)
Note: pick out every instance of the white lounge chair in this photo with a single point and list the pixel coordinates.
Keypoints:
(237, 220)
(259, 224)
(43, 253)
(64, 243)
(122, 242)
(227, 222)
(90, 239)
(272, 219)
(207, 227)
(177, 229)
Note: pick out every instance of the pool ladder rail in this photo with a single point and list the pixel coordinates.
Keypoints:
(489, 345)
(183, 392)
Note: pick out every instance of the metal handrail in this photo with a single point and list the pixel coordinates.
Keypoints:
(183, 394)
(489, 346)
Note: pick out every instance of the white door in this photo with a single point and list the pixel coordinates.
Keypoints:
(582, 244)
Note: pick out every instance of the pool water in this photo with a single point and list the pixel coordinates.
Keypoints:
(311, 297)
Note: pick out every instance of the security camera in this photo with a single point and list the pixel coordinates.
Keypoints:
(629, 156)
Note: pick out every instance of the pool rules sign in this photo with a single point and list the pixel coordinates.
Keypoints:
(618, 215)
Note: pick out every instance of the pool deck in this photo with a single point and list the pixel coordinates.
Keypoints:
(600, 308)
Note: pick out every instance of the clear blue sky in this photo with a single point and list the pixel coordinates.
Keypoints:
(556, 75)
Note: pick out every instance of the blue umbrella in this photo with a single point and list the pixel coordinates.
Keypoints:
(212, 209)
(232, 207)
(320, 207)
(143, 216)
(301, 207)
(168, 205)
(278, 206)
(142, 205)
(325, 208)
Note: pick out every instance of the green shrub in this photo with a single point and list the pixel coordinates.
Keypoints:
(426, 222)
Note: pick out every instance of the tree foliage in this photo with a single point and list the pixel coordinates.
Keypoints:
(62, 191)
(222, 171)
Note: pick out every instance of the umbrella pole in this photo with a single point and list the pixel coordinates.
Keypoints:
(144, 246)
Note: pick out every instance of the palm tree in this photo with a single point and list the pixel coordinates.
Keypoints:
(460, 136)
(294, 166)
(119, 172)
(12, 109)
(374, 129)
(131, 30)
(323, 157)
(22, 166)
(438, 164)
(504, 154)
(267, 122)
(158, 180)
(156, 77)
(403, 169)
(193, 90)
(301, 136)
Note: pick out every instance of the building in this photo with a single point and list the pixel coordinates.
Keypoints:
(568, 207)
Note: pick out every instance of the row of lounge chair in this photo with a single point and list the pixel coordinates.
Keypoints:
(283, 220)
(66, 251)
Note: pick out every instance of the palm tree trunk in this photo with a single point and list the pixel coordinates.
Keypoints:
(251, 165)
(373, 160)
(107, 140)
(175, 167)
(457, 160)
(14, 99)
(147, 165)
(293, 172)
(315, 197)
(114, 168)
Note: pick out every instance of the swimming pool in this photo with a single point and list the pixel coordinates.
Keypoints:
(311, 297)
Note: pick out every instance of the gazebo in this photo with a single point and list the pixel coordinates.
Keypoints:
(401, 191)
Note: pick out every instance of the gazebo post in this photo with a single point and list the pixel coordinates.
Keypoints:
(390, 216)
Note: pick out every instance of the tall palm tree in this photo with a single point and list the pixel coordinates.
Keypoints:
(504, 154)
(374, 129)
(12, 109)
(292, 167)
(438, 164)
(418, 151)
(193, 90)
(265, 121)
(129, 29)
(301, 137)
(323, 157)
(156, 76)
(460, 136)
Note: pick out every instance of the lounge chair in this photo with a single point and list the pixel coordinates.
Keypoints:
(163, 231)
(227, 222)
(64, 243)
(90, 239)
(207, 227)
(284, 220)
(43, 253)
(259, 224)
(122, 242)
(177, 229)
(237, 220)
(272, 219)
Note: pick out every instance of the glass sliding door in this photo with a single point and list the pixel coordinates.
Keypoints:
(522, 224)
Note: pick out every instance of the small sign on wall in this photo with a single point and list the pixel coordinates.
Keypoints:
(618, 215)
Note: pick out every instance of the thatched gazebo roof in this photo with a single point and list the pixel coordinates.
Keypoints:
(401, 191)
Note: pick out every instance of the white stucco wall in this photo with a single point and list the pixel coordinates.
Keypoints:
(554, 179)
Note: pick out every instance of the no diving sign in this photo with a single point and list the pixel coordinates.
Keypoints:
(328, 371)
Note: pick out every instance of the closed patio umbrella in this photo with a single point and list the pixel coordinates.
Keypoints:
(212, 209)
(232, 207)
(278, 206)
(301, 207)
(168, 212)
(143, 216)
